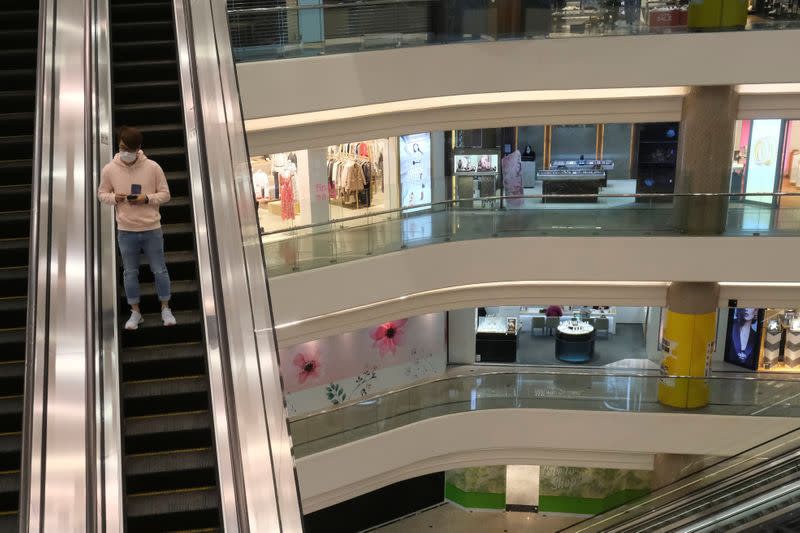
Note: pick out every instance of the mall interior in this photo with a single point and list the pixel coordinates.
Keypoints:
(430, 265)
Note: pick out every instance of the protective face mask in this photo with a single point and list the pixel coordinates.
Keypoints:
(127, 157)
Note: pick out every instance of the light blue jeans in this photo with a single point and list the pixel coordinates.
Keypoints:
(131, 245)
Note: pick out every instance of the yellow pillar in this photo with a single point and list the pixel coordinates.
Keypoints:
(717, 14)
(687, 343)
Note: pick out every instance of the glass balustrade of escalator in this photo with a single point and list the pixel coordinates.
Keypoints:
(273, 29)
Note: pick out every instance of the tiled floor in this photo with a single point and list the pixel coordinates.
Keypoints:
(450, 518)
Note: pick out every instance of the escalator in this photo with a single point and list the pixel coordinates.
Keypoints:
(19, 23)
(169, 461)
(756, 491)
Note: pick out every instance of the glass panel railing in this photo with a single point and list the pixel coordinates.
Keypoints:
(273, 29)
(535, 389)
(348, 239)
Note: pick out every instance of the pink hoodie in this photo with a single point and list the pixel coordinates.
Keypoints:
(117, 177)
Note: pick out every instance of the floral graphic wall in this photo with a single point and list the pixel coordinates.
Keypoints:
(341, 368)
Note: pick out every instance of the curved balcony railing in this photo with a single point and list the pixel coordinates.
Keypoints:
(274, 29)
(310, 246)
(737, 394)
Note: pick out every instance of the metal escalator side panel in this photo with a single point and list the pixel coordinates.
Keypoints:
(31, 446)
(108, 445)
(264, 443)
(217, 383)
(58, 428)
(736, 469)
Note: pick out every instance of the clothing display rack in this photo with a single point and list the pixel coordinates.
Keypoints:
(354, 170)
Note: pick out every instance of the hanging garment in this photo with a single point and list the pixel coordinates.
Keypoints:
(287, 198)
(512, 178)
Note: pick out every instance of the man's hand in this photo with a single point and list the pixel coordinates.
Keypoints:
(119, 198)
(140, 200)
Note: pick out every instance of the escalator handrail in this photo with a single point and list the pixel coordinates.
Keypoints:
(767, 498)
(31, 471)
(741, 466)
(106, 343)
(213, 336)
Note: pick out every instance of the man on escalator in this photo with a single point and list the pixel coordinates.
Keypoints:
(137, 186)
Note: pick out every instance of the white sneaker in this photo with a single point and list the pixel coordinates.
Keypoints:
(134, 321)
(167, 317)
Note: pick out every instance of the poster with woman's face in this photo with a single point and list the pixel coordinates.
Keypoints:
(415, 169)
(743, 339)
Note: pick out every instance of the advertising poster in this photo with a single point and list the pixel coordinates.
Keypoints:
(743, 338)
(415, 169)
(765, 141)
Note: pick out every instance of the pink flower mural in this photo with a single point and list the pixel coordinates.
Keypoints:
(308, 366)
(389, 336)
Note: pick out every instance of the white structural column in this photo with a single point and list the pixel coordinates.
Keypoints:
(461, 336)
(438, 179)
(313, 192)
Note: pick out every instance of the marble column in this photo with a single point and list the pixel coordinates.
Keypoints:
(708, 122)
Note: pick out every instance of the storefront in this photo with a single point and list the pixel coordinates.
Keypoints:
(763, 339)
(766, 158)
(554, 334)
(319, 185)
(557, 160)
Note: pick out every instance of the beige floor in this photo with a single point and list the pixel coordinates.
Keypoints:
(450, 518)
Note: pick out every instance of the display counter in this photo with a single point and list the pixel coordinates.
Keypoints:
(496, 340)
(526, 319)
(575, 342)
(572, 182)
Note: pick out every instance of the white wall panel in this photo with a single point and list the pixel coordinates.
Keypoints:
(521, 270)
(348, 80)
(523, 436)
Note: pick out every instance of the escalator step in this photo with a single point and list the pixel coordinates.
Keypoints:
(165, 396)
(16, 172)
(15, 224)
(181, 266)
(160, 433)
(183, 469)
(10, 448)
(173, 511)
(164, 361)
(143, 91)
(13, 282)
(14, 252)
(13, 36)
(151, 331)
(12, 374)
(133, 31)
(184, 296)
(9, 491)
(149, 113)
(20, 78)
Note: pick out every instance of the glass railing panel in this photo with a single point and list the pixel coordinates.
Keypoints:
(271, 29)
(734, 396)
(377, 233)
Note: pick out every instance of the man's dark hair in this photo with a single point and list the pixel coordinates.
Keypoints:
(130, 137)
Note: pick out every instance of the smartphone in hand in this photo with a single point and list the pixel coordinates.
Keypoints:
(136, 190)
